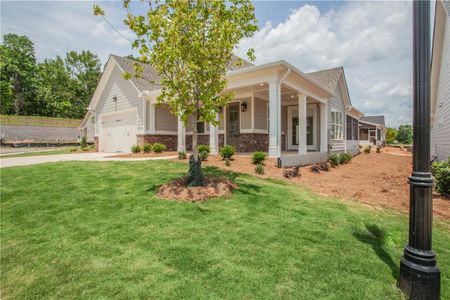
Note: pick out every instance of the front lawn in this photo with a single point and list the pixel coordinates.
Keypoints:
(95, 230)
(38, 153)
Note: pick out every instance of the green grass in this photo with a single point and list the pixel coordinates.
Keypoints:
(38, 153)
(96, 230)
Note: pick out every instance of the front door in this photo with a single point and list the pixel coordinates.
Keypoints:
(293, 127)
(233, 126)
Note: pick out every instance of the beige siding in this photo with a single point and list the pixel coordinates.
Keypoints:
(246, 117)
(261, 114)
(284, 119)
(127, 98)
(440, 134)
(164, 119)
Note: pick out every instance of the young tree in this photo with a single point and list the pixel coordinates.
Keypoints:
(190, 44)
(17, 67)
(405, 134)
(391, 135)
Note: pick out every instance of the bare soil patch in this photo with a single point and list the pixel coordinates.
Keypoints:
(151, 154)
(215, 187)
(375, 179)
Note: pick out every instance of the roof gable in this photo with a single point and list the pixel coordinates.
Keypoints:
(374, 119)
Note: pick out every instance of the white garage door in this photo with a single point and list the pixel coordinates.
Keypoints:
(118, 132)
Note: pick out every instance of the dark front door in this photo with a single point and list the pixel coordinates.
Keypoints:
(233, 131)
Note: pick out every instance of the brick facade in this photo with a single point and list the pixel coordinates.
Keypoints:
(171, 141)
(201, 139)
(96, 143)
(250, 142)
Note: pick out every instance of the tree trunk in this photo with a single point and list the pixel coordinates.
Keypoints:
(195, 174)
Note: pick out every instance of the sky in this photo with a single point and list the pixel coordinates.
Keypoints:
(371, 40)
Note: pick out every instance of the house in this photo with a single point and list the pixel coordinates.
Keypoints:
(297, 118)
(372, 131)
(440, 83)
(353, 117)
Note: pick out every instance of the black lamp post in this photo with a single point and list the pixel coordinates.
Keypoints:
(419, 274)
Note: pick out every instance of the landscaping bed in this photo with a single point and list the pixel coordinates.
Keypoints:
(143, 155)
(376, 179)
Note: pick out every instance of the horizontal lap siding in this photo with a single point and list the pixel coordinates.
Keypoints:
(127, 98)
(440, 144)
(164, 119)
(246, 117)
(337, 103)
(261, 114)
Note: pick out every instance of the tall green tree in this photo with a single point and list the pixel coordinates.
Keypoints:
(190, 44)
(85, 69)
(405, 134)
(17, 67)
(391, 135)
(56, 90)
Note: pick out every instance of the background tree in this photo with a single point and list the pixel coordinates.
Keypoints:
(405, 134)
(391, 135)
(190, 44)
(17, 67)
(85, 69)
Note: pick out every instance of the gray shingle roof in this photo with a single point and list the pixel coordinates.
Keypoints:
(329, 78)
(374, 119)
(150, 78)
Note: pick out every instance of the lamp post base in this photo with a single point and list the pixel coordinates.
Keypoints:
(419, 281)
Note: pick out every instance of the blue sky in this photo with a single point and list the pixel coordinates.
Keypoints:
(372, 40)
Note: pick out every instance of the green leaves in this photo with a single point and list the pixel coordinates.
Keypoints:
(98, 11)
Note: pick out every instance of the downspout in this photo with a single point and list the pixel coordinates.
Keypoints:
(283, 77)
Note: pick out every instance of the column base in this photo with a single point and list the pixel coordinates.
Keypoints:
(419, 281)
(274, 152)
(214, 150)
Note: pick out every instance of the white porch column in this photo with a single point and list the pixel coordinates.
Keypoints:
(181, 134)
(302, 144)
(274, 120)
(152, 125)
(323, 127)
(214, 137)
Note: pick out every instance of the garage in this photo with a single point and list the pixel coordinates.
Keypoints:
(118, 131)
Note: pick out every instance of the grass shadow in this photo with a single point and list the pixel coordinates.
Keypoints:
(376, 238)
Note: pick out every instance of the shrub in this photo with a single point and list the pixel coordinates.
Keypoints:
(182, 155)
(368, 149)
(227, 151)
(378, 149)
(258, 157)
(441, 172)
(334, 159)
(203, 155)
(203, 148)
(83, 143)
(147, 148)
(259, 169)
(227, 162)
(135, 149)
(345, 157)
(73, 149)
(158, 147)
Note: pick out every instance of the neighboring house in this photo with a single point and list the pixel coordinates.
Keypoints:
(296, 117)
(372, 131)
(352, 133)
(440, 83)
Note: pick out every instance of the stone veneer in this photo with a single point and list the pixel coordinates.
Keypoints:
(201, 139)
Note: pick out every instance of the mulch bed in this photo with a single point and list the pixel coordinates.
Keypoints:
(215, 187)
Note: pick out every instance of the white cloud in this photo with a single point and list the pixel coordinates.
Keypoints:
(372, 40)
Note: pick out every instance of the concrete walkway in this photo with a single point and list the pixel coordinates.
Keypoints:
(96, 156)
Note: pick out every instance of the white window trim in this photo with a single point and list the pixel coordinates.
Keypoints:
(337, 127)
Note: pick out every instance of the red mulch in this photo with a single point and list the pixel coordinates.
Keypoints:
(215, 187)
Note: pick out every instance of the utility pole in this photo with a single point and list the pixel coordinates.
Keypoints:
(419, 274)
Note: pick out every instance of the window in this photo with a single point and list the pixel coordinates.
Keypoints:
(378, 134)
(352, 128)
(337, 124)
(200, 127)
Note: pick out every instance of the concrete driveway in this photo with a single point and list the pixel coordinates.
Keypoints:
(96, 156)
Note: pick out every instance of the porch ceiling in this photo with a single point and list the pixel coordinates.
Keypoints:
(261, 90)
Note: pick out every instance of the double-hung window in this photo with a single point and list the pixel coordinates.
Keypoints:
(337, 125)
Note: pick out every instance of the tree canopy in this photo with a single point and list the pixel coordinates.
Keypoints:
(405, 134)
(54, 87)
(190, 44)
